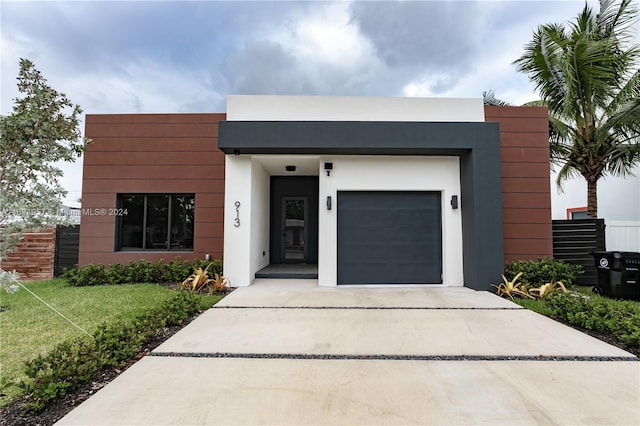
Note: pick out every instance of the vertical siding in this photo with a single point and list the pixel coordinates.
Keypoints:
(526, 197)
(151, 153)
(33, 256)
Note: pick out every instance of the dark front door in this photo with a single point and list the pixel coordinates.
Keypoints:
(389, 237)
(294, 230)
(294, 220)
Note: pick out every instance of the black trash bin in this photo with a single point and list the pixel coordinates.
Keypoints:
(618, 273)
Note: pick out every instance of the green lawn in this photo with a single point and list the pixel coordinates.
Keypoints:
(28, 327)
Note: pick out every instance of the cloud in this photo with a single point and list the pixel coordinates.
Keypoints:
(310, 52)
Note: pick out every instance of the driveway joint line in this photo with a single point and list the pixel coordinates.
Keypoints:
(382, 357)
(380, 308)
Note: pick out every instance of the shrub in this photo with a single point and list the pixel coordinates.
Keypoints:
(73, 362)
(543, 271)
(142, 271)
(88, 275)
(621, 318)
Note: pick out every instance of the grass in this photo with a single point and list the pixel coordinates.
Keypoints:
(28, 327)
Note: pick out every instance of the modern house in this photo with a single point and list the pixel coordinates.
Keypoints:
(366, 190)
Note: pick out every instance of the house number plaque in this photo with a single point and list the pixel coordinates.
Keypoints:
(237, 220)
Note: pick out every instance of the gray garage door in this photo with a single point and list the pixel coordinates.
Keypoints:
(389, 238)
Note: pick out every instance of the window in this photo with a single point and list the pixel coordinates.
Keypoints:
(577, 213)
(155, 222)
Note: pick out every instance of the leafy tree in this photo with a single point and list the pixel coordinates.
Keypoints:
(42, 128)
(587, 75)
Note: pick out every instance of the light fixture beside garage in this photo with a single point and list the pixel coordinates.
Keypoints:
(454, 202)
(290, 168)
(328, 167)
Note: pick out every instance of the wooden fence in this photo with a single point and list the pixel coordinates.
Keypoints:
(33, 257)
(44, 254)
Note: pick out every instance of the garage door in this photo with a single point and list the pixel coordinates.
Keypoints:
(389, 238)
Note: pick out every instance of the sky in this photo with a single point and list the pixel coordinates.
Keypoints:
(187, 56)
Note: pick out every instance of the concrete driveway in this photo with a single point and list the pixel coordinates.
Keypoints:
(290, 352)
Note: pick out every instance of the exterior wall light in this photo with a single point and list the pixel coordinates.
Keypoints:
(328, 167)
(290, 168)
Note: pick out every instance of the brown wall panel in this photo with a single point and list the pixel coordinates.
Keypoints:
(152, 118)
(210, 200)
(209, 245)
(510, 184)
(527, 230)
(209, 214)
(154, 184)
(528, 256)
(525, 200)
(124, 144)
(151, 153)
(152, 130)
(517, 140)
(134, 256)
(165, 158)
(528, 246)
(154, 172)
(526, 197)
(498, 112)
(524, 154)
(209, 228)
(528, 215)
(524, 125)
(103, 244)
(525, 170)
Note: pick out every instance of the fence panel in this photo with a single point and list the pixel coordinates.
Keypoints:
(67, 247)
(573, 240)
(623, 235)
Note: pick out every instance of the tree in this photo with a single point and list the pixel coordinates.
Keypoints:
(587, 75)
(42, 128)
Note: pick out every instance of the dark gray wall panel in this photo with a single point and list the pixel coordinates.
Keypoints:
(389, 237)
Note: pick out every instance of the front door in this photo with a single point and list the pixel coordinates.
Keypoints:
(294, 230)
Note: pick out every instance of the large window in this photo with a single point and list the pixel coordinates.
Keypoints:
(155, 221)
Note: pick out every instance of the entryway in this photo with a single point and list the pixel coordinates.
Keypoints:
(293, 235)
(303, 271)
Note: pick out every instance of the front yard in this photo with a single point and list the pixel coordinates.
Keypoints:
(29, 328)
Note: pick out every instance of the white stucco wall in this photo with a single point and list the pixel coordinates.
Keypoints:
(352, 108)
(375, 173)
(237, 240)
(259, 217)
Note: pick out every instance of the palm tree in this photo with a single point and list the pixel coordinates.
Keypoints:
(588, 77)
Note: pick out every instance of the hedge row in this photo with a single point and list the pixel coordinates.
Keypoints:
(141, 272)
(73, 362)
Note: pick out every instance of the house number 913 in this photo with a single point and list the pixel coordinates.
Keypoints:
(237, 220)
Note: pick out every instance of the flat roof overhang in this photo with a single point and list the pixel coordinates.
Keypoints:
(353, 137)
